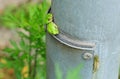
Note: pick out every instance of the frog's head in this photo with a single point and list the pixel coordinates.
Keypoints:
(49, 18)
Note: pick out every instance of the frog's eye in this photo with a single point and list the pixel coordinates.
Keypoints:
(49, 15)
(49, 19)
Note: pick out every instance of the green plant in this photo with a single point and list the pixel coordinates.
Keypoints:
(31, 48)
(71, 73)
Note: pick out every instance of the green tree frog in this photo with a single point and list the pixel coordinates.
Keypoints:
(52, 28)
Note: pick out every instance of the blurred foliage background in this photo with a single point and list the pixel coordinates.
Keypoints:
(25, 57)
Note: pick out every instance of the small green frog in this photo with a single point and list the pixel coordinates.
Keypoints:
(52, 28)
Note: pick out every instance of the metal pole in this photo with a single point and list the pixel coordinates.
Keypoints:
(92, 22)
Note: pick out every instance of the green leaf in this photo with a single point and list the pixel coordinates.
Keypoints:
(22, 44)
(23, 35)
(8, 50)
(14, 44)
(24, 47)
(74, 73)
(58, 72)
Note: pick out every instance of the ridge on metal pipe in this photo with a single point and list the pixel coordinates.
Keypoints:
(64, 38)
(72, 42)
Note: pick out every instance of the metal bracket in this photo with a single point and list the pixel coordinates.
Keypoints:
(72, 42)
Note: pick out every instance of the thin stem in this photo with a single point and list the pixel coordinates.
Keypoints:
(35, 64)
(29, 57)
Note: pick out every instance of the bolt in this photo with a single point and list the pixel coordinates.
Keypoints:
(87, 56)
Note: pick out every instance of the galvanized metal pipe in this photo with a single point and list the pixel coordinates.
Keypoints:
(94, 21)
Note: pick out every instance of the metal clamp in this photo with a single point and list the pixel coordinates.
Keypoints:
(72, 42)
